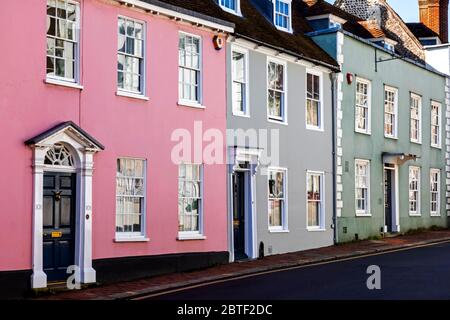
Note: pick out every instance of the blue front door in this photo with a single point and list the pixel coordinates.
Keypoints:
(58, 224)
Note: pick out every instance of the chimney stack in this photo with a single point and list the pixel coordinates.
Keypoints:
(434, 14)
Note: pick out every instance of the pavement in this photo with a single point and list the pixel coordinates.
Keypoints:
(171, 282)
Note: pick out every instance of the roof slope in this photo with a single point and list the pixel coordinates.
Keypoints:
(420, 30)
(254, 26)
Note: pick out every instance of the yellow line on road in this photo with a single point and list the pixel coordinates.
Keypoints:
(151, 295)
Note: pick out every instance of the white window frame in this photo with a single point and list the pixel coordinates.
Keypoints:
(419, 98)
(363, 213)
(368, 83)
(439, 106)
(194, 235)
(134, 236)
(181, 100)
(143, 80)
(284, 111)
(235, 12)
(321, 226)
(64, 81)
(418, 200)
(395, 123)
(436, 213)
(284, 213)
(246, 112)
(319, 74)
(289, 3)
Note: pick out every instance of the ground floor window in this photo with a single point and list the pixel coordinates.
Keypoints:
(277, 199)
(414, 190)
(190, 198)
(130, 197)
(314, 190)
(362, 187)
(435, 190)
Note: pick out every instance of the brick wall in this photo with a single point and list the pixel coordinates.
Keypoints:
(434, 14)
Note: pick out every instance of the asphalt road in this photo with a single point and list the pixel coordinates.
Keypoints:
(420, 273)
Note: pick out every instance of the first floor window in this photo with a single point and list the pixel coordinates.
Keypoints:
(435, 124)
(239, 86)
(277, 198)
(390, 112)
(414, 190)
(130, 196)
(130, 55)
(415, 110)
(435, 178)
(62, 39)
(313, 103)
(189, 68)
(362, 108)
(315, 199)
(276, 91)
(362, 186)
(190, 199)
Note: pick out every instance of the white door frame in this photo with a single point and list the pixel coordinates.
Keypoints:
(83, 152)
(238, 156)
(395, 197)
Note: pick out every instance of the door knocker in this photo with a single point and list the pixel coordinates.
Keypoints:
(57, 195)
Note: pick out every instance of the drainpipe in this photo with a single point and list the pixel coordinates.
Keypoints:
(333, 79)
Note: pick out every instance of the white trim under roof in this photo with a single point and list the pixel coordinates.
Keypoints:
(177, 15)
(330, 16)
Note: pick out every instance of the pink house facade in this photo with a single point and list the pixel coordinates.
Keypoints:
(94, 93)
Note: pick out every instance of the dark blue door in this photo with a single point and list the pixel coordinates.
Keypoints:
(59, 224)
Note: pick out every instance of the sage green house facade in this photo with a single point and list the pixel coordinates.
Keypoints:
(390, 159)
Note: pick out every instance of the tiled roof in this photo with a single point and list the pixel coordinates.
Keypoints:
(373, 28)
(254, 26)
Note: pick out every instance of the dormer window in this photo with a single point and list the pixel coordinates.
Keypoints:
(232, 6)
(282, 14)
(389, 46)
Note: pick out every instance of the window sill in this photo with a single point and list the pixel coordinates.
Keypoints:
(188, 237)
(314, 229)
(435, 215)
(416, 142)
(311, 128)
(364, 215)
(131, 95)
(367, 133)
(63, 83)
(190, 104)
(415, 215)
(391, 137)
(277, 121)
(436, 146)
(278, 230)
(241, 115)
(131, 239)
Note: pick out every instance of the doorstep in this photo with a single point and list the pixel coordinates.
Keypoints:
(154, 285)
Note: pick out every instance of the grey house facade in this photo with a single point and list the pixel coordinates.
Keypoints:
(280, 138)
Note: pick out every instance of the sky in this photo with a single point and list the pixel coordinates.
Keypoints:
(407, 9)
